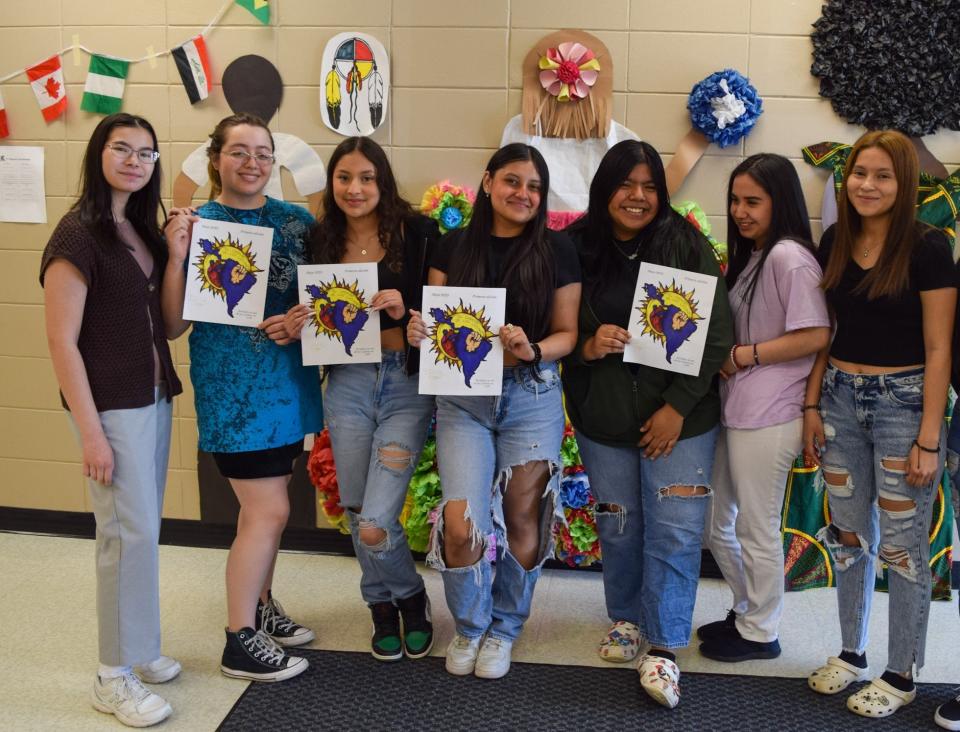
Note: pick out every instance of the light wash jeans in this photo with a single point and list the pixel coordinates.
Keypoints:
(480, 441)
(371, 408)
(650, 542)
(866, 420)
(743, 533)
(127, 515)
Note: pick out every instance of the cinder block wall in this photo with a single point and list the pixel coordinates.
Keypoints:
(456, 81)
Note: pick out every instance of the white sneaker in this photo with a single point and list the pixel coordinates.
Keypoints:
(462, 655)
(660, 678)
(159, 671)
(129, 701)
(493, 662)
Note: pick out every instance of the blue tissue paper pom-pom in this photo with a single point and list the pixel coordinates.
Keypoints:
(702, 110)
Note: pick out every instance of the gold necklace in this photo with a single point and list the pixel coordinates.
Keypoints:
(363, 250)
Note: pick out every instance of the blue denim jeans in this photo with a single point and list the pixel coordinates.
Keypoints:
(480, 441)
(650, 540)
(870, 422)
(375, 416)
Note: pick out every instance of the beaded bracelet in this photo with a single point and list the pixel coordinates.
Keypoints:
(756, 356)
(733, 357)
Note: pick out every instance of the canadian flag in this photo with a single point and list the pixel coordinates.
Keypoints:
(46, 78)
(4, 130)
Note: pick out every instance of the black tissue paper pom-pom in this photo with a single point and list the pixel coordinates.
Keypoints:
(890, 63)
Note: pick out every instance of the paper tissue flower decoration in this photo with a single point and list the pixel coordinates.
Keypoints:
(568, 71)
(449, 205)
(724, 107)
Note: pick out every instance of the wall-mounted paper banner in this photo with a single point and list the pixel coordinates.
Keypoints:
(46, 79)
(259, 8)
(193, 63)
(356, 81)
(103, 92)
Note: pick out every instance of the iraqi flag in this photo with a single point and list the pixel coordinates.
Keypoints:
(103, 92)
(194, 67)
(46, 79)
(4, 130)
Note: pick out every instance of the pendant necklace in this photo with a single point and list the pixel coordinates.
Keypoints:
(631, 257)
(227, 212)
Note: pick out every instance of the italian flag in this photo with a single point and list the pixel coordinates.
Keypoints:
(259, 8)
(103, 93)
(194, 67)
(46, 80)
(4, 130)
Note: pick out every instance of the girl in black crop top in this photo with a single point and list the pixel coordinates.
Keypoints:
(503, 451)
(377, 420)
(873, 412)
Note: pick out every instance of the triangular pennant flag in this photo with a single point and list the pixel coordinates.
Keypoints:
(103, 92)
(194, 67)
(4, 130)
(46, 79)
(259, 8)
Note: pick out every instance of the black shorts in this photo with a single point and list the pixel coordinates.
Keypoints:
(270, 463)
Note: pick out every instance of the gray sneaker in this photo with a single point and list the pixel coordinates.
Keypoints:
(129, 701)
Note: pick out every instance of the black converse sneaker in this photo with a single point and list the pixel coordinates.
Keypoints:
(417, 628)
(273, 621)
(253, 655)
(386, 644)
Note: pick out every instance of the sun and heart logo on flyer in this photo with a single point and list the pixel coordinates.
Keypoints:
(226, 268)
(668, 315)
(461, 338)
(339, 310)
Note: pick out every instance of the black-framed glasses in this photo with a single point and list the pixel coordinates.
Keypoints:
(241, 156)
(122, 151)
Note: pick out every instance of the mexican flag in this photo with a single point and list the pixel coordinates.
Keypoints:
(4, 130)
(103, 93)
(194, 67)
(46, 80)
(259, 8)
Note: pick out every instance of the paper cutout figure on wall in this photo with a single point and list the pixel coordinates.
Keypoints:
(355, 76)
(340, 311)
(252, 84)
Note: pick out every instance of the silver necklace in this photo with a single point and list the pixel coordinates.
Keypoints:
(227, 212)
(631, 257)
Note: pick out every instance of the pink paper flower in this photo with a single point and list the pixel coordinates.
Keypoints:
(568, 71)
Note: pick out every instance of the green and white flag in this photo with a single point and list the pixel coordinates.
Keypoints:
(103, 93)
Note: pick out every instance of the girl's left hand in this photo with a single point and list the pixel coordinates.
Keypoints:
(516, 342)
(275, 329)
(921, 467)
(390, 301)
(661, 432)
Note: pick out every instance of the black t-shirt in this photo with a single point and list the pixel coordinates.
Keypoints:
(387, 279)
(566, 264)
(887, 331)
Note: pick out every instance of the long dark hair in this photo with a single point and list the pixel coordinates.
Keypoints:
(529, 272)
(891, 274)
(95, 204)
(779, 180)
(218, 139)
(669, 239)
(328, 239)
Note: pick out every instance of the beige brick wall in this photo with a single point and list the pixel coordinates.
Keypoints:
(456, 74)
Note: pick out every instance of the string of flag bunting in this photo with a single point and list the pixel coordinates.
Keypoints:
(106, 76)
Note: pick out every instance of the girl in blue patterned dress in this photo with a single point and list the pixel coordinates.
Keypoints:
(254, 399)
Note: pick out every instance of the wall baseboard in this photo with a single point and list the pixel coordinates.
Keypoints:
(183, 532)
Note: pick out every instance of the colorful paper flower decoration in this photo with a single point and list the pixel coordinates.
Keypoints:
(568, 71)
(449, 205)
(692, 212)
(323, 475)
(724, 107)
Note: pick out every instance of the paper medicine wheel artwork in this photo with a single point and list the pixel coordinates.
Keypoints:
(355, 78)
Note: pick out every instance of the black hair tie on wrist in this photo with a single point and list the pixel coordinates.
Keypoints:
(932, 450)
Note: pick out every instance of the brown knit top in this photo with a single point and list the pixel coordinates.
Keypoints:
(122, 322)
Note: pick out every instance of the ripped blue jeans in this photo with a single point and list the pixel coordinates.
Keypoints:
(650, 540)
(378, 424)
(870, 423)
(481, 441)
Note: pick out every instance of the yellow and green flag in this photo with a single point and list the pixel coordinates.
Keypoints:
(259, 8)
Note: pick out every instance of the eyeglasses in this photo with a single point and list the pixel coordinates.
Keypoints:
(123, 152)
(241, 156)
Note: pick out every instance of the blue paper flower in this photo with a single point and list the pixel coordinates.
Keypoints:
(724, 107)
(575, 490)
(450, 218)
